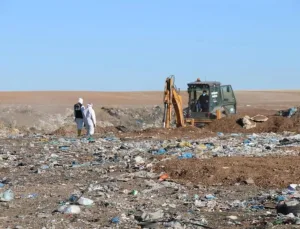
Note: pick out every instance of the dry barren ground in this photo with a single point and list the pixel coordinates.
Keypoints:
(260, 99)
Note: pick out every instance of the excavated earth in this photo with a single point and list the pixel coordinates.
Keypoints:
(267, 172)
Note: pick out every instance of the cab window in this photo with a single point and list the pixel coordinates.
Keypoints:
(227, 94)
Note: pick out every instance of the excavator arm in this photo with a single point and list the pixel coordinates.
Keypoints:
(172, 97)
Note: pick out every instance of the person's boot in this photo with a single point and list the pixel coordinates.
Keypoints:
(79, 133)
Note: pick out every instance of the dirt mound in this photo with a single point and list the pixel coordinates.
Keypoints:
(265, 172)
(123, 132)
(70, 130)
(136, 118)
(274, 124)
(176, 133)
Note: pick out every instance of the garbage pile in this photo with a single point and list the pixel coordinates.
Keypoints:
(293, 111)
(49, 181)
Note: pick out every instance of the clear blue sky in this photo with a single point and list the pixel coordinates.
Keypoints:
(135, 44)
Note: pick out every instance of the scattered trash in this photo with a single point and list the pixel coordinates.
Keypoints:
(163, 177)
(115, 220)
(134, 192)
(31, 196)
(220, 134)
(289, 112)
(139, 160)
(210, 197)
(130, 179)
(249, 181)
(85, 201)
(161, 151)
(44, 167)
(70, 209)
(186, 156)
(64, 148)
(232, 217)
(7, 196)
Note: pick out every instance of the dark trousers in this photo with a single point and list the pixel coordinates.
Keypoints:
(204, 108)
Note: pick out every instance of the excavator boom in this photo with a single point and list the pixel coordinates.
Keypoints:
(172, 97)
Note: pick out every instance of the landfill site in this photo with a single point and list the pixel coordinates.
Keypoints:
(239, 171)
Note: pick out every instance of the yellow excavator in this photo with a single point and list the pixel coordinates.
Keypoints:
(222, 102)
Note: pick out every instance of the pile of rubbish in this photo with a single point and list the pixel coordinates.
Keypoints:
(107, 182)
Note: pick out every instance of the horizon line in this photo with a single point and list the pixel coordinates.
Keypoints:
(89, 91)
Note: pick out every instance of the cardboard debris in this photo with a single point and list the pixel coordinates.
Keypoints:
(259, 118)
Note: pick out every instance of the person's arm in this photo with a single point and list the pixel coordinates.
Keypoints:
(74, 114)
(82, 110)
(94, 117)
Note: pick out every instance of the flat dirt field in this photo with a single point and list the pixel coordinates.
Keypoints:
(260, 99)
(234, 179)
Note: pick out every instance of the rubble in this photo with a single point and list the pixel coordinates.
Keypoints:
(129, 176)
(247, 123)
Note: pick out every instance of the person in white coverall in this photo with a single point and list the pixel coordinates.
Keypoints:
(90, 119)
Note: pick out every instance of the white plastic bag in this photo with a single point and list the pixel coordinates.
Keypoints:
(6, 196)
(69, 209)
(85, 201)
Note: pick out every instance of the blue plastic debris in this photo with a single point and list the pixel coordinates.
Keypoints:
(292, 111)
(2, 185)
(64, 147)
(91, 140)
(73, 198)
(280, 198)
(186, 156)
(115, 220)
(44, 167)
(210, 197)
(32, 196)
(247, 141)
(257, 207)
(159, 152)
(209, 145)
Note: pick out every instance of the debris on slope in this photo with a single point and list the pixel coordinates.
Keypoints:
(293, 111)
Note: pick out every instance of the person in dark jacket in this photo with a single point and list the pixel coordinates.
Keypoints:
(79, 115)
(204, 101)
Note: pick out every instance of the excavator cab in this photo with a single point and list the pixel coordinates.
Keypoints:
(221, 101)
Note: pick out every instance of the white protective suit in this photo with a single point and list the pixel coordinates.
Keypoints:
(90, 119)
